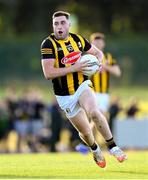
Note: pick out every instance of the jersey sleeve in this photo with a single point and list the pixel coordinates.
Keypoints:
(87, 45)
(47, 50)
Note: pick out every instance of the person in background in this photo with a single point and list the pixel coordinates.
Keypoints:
(11, 101)
(132, 108)
(114, 108)
(22, 122)
(101, 80)
(57, 120)
(4, 127)
(36, 109)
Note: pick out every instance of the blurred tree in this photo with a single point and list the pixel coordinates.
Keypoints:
(115, 16)
(34, 16)
(21, 16)
(111, 16)
(125, 22)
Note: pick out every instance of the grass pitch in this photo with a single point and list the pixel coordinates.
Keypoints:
(72, 166)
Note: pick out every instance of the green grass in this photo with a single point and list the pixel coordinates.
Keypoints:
(72, 166)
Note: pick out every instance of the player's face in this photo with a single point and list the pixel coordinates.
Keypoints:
(61, 27)
(99, 43)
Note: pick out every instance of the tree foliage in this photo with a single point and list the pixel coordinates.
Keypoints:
(23, 25)
(113, 16)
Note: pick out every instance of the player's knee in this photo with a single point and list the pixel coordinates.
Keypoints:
(97, 116)
(86, 133)
(94, 114)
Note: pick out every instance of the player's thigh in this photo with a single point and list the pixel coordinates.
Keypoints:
(81, 122)
(88, 101)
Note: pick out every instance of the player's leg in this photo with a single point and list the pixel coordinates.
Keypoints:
(88, 101)
(103, 104)
(81, 123)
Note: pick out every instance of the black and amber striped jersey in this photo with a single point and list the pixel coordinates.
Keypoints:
(52, 48)
(101, 80)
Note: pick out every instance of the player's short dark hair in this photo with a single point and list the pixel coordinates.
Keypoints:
(61, 13)
(97, 35)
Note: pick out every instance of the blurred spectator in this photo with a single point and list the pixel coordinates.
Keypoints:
(11, 101)
(114, 109)
(36, 110)
(133, 107)
(21, 124)
(57, 120)
(4, 126)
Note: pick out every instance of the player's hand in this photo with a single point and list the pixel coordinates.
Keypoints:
(80, 66)
(100, 67)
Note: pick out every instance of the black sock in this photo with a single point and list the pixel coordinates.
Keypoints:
(94, 147)
(110, 143)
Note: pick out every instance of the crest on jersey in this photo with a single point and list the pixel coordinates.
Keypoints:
(71, 58)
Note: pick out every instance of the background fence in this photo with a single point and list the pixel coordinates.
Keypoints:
(20, 58)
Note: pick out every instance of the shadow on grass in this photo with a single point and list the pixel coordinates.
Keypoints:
(36, 177)
(129, 172)
(23, 177)
(29, 177)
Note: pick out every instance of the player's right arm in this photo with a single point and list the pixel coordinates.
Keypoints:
(115, 69)
(48, 63)
(111, 66)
